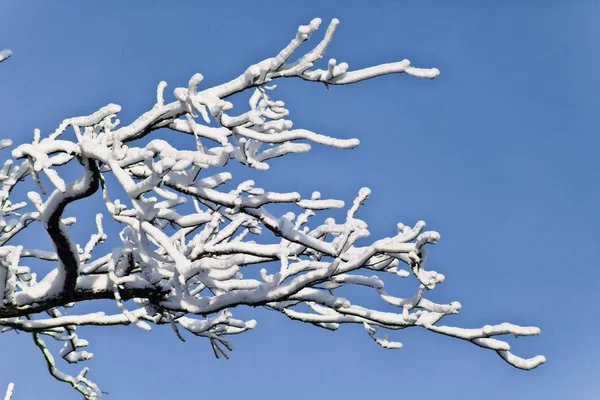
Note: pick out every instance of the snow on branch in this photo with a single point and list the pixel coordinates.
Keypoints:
(4, 54)
(9, 391)
(186, 266)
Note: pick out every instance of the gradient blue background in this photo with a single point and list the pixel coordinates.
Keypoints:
(498, 154)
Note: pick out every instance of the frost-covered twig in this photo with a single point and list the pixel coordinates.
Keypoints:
(186, 242)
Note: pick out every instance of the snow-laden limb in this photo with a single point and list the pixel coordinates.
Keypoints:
(191, 265)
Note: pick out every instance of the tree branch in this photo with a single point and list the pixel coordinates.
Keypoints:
(185, 266)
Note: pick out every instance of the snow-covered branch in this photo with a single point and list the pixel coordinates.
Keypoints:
(4, 54)
(9, 391)
(186, 255)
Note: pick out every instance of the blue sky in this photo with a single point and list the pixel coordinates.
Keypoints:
(498, 154)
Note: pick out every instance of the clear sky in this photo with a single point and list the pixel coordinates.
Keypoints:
(498, 154)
